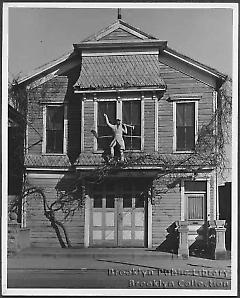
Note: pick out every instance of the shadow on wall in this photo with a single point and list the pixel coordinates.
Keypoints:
(71, 71)
(171, 244)
(74, 116)
(204, 244)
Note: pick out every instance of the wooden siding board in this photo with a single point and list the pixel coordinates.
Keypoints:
(41, 230)
(180, 83)
(119, 34)
(88, 125)
(165, 211)
(149, 125)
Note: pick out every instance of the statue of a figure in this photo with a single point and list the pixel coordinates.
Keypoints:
(118, 130)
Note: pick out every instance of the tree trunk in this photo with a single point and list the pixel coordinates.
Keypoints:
(65, 233)
(59, 236)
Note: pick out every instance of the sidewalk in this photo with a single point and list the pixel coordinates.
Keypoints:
(105, 258)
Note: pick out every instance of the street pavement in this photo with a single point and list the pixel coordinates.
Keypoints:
(114, 268)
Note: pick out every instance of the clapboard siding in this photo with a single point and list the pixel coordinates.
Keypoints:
(119, 34)
(88, 125)
(165, 211)
(60, 91)
(165, 126)
(149, 124)
(179, 83)
(42, 234)
(35, 124)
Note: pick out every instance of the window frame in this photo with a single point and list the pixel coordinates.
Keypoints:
(119, 115)
(182, 101)
(44, 143)
(206, 198)
(196, 194)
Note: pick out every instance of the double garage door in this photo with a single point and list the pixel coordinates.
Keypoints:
(117, 220)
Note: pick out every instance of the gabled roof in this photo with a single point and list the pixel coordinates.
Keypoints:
(195, 63)
(120, 71)
(47, 66)
(118, 36)
(119, 27)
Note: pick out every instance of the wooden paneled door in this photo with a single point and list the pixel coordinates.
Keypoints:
(117, 221)
(130, 222)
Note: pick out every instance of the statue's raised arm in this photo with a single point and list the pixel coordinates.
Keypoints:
(107, 121)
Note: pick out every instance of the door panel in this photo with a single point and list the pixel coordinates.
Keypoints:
(131, 227)
(103, 228)
(117, 221)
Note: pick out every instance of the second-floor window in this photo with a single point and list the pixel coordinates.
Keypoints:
(105, 133)
(54, 129)
(130, 113)
(185, 126)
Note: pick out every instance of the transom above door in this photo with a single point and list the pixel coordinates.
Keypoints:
(117, 219)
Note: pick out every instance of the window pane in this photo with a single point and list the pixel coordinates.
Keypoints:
(109, 108)
(104, 142)
(55, 117)
(180, 114)
(110, 201)
(54, 139)
(136, 131)
(185, 114)
(190, 138)
(97, 202)
(139, 201)
(54, 129)
(195, 207)
(181, 138)
(185, 129)
(104, 130)
(131, 111)
(126, 112)
(195, 185)
(127, 201)
(189, 114)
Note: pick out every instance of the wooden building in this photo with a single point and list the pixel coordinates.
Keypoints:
(166, 96)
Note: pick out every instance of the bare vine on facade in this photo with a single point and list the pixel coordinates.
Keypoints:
(210, 151)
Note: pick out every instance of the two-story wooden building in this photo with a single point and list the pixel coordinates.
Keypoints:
(167, 97)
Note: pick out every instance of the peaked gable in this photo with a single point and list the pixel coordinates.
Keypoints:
(119, 31)
(120, 34)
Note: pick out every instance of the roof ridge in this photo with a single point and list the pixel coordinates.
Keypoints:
(90, 37)
(138, 30)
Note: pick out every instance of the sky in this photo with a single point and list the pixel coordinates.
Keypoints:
(38, 35)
